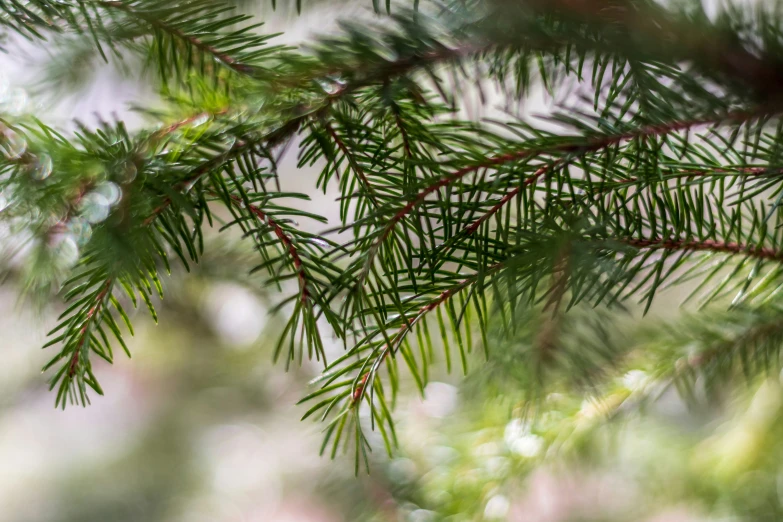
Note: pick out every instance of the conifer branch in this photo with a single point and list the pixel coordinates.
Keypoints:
(158, 23)
(303, 114)
(511, 195)
(748, 172)
(89, 319)
(707, 245)
(284, 239)
(575, 148)
(408, 324)
(353, 163)
(433, 220)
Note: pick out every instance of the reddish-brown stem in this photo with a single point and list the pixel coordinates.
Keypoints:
(444, 181)
(445, 295)
(403, 134)
(315, 111)
(174, 127)
(669, 244)
(83, 332)
(408, 325)
(686, 173)
(352, 161)
(590, 145)
(707, 245)
(228, 60)
(752, 171)
(509, 196)
(284, 239)
(694, 173)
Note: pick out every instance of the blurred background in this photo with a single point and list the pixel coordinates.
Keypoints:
(201, 426)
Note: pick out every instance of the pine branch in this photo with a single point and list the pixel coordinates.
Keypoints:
(159, 23)
(753, 251)
(303, 114)
(571, 147)
(284, 239)
(89, 320)
(408, 324)
(604, 188)
(354, 164)
(454, 224)
(78, 339)
(176, 126)
(510, 195)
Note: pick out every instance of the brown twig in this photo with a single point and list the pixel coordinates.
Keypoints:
(589, 145)
(284, 239)
(225, 58)
(510, 195)
(174, 127)
(72, 366)
(707, 245)
(352, 161)
(408, 325)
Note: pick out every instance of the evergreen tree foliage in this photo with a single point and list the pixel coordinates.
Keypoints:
(658, 164)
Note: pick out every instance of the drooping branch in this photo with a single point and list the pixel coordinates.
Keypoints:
(286, 241)
(304, 113)
(558, 290)
(352, 162)
(510, 195)
(409, 323)
(162, 25)
(88, 320)
(174, 127)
